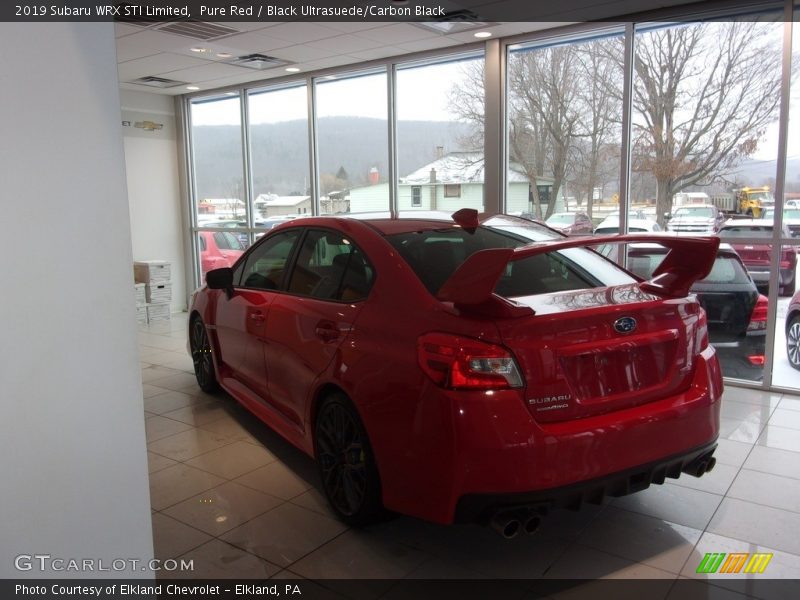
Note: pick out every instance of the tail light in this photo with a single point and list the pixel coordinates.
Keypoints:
(758, 318)
(462, 363)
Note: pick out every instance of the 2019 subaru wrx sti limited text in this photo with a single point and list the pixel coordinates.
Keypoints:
(459, 370)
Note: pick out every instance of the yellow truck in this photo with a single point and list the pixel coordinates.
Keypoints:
(753, 201)
(749, 201)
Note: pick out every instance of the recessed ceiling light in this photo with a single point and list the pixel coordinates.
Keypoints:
(199, 49)
(194, 88)
(224, 55)
(483, 34)
(292, 69)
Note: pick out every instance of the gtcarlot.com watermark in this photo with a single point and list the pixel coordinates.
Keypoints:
(46, 562)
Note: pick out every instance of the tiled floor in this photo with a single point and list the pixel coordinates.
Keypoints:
(241, 502)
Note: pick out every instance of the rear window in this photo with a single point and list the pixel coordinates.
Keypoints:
(434, 255)
(745, 231)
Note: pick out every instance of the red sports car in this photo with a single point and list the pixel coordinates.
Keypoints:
(465, 370)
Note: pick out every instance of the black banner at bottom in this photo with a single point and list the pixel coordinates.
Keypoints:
(402, 589)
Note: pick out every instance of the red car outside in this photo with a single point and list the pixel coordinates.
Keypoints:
(218, 249)
(757, 256)
(465, 371)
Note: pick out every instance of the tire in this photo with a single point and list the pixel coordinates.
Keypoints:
(346, 463)
(202, 358)
(793, 342)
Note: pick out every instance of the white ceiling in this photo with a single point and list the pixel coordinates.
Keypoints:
(146, 50)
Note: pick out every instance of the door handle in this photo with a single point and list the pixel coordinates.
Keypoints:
(327, 331)
(257, 316)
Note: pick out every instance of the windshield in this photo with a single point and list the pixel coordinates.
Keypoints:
(560, 219)
(434, 255)
(695, 211)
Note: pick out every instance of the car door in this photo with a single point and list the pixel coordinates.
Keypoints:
(308, 323)
(241, 320)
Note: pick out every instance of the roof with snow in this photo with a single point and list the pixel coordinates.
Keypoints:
(282, 200)
(460, 167)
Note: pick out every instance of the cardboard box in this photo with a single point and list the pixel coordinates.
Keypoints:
(151, 271)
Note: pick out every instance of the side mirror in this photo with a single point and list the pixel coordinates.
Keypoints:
(667, 216)
(221, 279)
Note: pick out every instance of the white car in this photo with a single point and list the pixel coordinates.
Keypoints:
(696, 218)
(610, 225)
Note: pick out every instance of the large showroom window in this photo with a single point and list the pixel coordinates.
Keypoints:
(706, 100)
(440, 134)
(786, 356)
(220, 200)
(281, 186)
(219, 194)
(352, 143)
(564, 123)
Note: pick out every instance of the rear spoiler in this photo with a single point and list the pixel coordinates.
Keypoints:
(472, 285)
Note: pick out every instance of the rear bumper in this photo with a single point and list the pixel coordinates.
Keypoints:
(481, 507)
(489, 449)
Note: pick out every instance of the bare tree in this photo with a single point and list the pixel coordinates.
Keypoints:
(600, 85)
(543, 103)
(560, 116)
(703, 97)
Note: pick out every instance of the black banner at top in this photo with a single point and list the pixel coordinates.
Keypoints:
(480, 11)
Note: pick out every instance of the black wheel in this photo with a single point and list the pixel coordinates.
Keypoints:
(201, 357)
(793, 342)
(346, 464)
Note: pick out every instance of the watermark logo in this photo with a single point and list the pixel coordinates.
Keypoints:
(735, 562)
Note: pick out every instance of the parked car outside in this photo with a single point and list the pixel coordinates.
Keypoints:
(577, 223)
(757, 256)
(499, 376)
(736, 312)
(696, 219)
(635, 225)
(218, 249)
(793, 331)
(791, 218)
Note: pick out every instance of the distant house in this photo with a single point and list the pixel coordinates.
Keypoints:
(449, 183)
(221, 207)
(271, 205)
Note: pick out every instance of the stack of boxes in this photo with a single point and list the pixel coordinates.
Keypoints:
(155, 275)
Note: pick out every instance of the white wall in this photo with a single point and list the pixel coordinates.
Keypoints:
(72, 443)
(151, 159)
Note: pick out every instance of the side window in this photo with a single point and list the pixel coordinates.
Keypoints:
(266, 265)
(227, 241)
(330, 267)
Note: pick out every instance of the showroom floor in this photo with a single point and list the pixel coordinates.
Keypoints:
(233, 496)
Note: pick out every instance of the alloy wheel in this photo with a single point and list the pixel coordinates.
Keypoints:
(793, 343)
(342, 458)
(201, 355)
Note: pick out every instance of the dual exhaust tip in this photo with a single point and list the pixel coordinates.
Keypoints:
(511, 523)
(701, 465)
